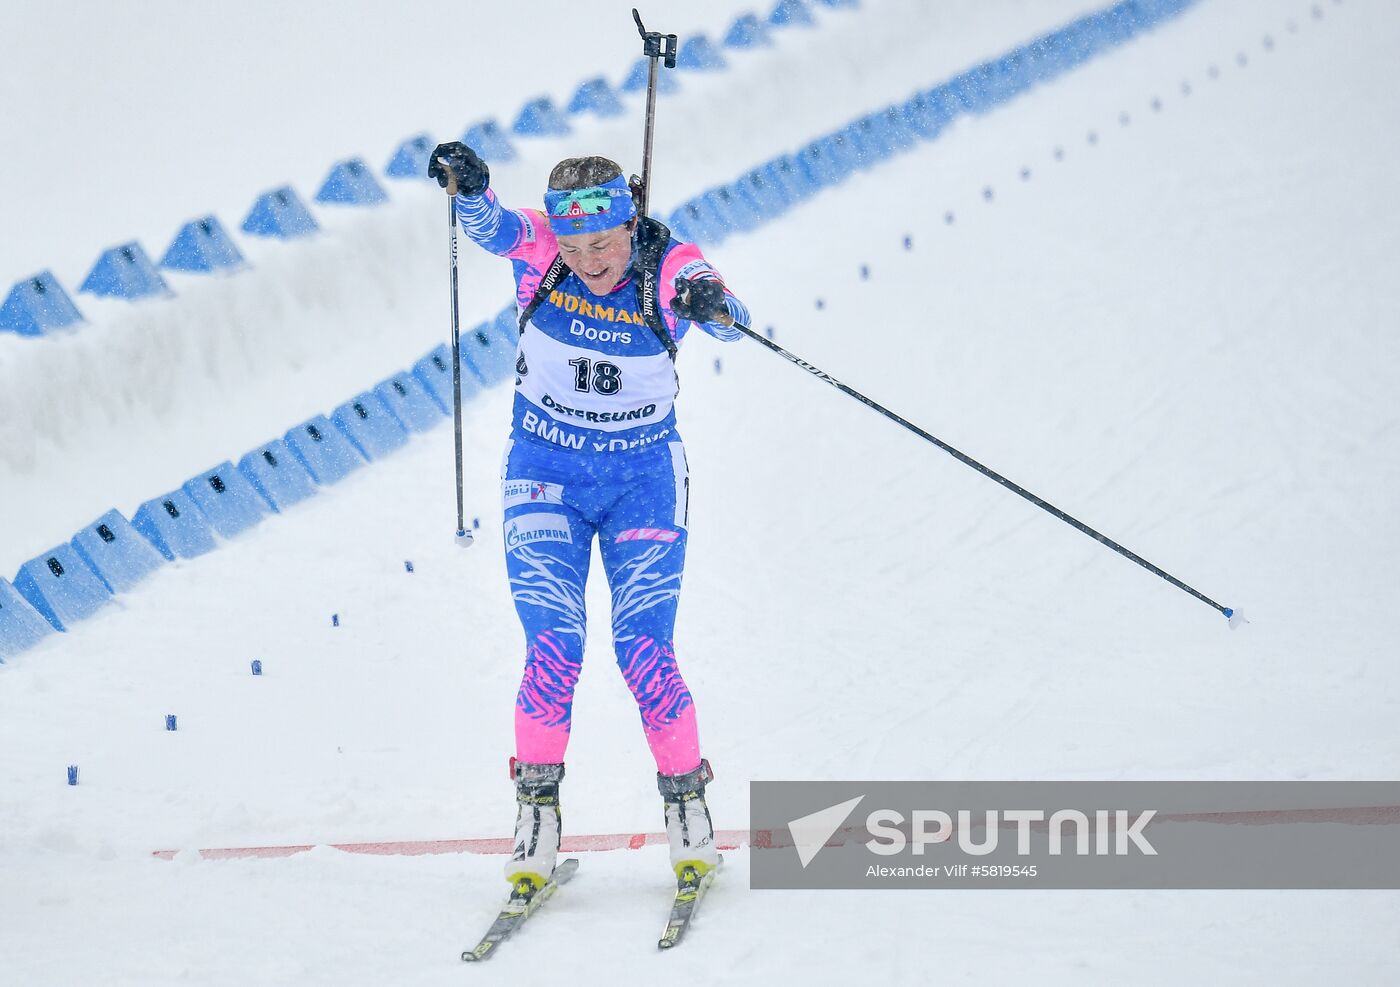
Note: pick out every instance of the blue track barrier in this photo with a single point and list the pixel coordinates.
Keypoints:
(38, 305)
(434, 372)
(905, 135)
(967, 89)
(843, 152)
(125, 272)
(944, 102)
(874, 138)
(175, 526)
(887, 130)
(700, 54)
(745, 194)
(597, 97)
(747, 31)
(865, 146)
(1058, 43)
(784, 174)
(487, 350)
(539, 118)
(698, 220)
(60, 586)
(688, 223)
(794, 179)
(1082, 41)
(1004, 78)
(636, 80)
(369, 425)
(324, 450)
(201, 247)
(114, 550)
(924, 119)
(820, 162)
(351, 183)
(409, 401)
(490, 141)
(730, 219)
(410, 158)
(715, 220)
(227, 499)
(743, 216)
(771, 197)
(277, 475)
(506, 327)
(790, 12)
(21, 626)
(678, 225)
(279, 213)
(1002, 81)
(895, 127)
(722, 219)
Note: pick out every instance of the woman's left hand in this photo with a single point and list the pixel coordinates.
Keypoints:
(699, 300)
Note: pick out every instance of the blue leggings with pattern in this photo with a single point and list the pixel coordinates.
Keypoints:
(635, 503)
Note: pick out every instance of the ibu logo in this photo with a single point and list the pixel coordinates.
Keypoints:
(517, 492)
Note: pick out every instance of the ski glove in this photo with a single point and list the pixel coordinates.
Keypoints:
(455, 161)
(699, 300)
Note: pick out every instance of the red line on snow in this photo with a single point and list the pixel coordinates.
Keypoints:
(725, 839)
(1364, 815)
(732, 839)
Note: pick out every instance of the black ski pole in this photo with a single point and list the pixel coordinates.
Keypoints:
(654, 46)
(463, 537)
(1233, 616)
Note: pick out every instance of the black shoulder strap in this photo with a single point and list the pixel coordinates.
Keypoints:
(552, 276)
(652, 240)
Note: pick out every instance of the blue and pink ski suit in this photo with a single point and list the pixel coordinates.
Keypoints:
(594, 451)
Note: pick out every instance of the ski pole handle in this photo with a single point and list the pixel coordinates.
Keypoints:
(451, 178)
(655, 44)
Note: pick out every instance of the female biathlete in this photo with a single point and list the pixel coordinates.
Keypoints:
(605, 299)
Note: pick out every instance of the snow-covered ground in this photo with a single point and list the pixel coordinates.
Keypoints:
(1181, 332)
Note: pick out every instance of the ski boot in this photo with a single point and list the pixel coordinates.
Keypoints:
(537, 826)
(688, 826)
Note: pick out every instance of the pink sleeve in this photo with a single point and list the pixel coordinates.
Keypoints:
(534, 251)
(535, 243)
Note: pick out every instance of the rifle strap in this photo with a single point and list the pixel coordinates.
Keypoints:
(652, 239)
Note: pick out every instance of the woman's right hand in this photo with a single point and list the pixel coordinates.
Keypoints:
(456, 164)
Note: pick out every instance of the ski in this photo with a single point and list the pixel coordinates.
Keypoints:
(518, 908)
(690, 888)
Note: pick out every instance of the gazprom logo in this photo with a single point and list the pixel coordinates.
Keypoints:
(531, 528)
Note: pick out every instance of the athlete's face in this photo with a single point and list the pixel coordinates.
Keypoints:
(599, 259)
